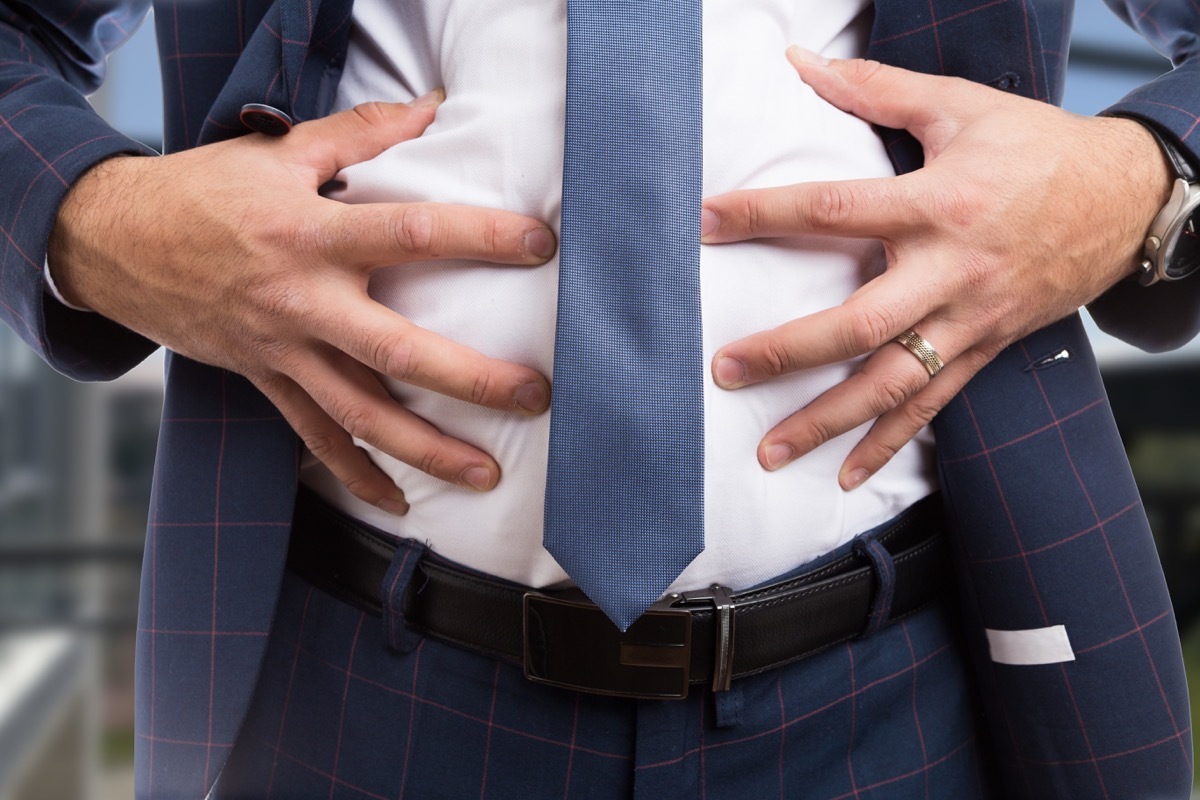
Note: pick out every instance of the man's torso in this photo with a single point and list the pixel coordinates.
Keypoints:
(497, 141)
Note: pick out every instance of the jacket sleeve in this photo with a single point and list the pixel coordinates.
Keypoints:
(52, 53)
(1166, 315)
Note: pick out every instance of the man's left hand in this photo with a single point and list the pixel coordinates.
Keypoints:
(1022, 214)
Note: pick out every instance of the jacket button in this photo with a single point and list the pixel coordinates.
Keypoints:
(265, 119)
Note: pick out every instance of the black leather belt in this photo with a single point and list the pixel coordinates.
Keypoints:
(709, 636)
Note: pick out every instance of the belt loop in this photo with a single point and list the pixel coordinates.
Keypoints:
(729, 705)
(400, 572)
(723, 621)
(885, 582)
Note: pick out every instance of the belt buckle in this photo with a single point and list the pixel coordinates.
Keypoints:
(573, 645)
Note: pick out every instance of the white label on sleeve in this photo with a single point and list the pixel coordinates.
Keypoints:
(1029, 647)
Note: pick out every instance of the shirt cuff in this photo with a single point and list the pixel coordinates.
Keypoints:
(53, 287)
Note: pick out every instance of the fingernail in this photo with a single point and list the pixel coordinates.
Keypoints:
(530, 396)
(709, 222)
(434, 98)
(395, 507)
(478, 478)
(778, 455)
(854, 478)
(540, 242)
(805, 56)
(729, 372)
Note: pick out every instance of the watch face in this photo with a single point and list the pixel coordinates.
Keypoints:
(1182, 256)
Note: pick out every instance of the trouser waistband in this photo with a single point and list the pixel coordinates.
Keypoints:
(712, 635)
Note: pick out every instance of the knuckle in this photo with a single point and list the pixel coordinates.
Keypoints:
(893, 390)
(254, 357)
(920, 411)
(481, 389)
(357, 419)
(777, 358)
(278, 255)
(753, 216)
(957, 204)
(866, 81)
(337, 241)
(370, 113)
(881, 445)
(870, 328)
(743, 215)
(493, 237)
(276, 299)
(273, 385)
(395, 357)
(413, 230)
(433, 460)
(982, 355)
(819, 431)
(911, 197)
(828, 207)
(277, 354)
(975, 273)
(300, 239)
(324, 446)
(362, 488)
(863, 70)
(886, 449)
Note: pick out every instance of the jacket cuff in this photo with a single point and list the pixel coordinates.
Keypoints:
(1166, 315)
(82, 345)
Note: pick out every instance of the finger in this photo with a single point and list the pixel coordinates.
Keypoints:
(890, 96)
(897, 427)
(353, 397)
(359, 134)
(886, 380)
(869, 319)
(880, 208)
(380, 234)
(333, 446)
(391, 345)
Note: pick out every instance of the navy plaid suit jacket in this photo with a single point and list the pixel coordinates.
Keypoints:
(1048, 523)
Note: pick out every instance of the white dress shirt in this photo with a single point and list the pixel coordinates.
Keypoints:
(497, 142)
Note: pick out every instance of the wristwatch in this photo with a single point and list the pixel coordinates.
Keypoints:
(1172, 248)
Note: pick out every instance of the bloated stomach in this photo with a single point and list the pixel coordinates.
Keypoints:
(497, 142)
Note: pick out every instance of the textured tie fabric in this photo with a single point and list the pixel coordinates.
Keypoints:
(624, 496)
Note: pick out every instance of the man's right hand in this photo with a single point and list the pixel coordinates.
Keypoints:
(228, 255)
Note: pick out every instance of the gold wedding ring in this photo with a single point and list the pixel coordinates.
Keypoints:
(915, 343)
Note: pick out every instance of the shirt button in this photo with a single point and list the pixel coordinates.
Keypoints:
(265, 119)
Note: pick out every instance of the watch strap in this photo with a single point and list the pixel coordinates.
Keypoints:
(1179, 160)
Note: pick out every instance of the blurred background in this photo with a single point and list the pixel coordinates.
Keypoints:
(75, 466)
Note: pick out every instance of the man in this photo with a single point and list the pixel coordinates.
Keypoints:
(239, 263)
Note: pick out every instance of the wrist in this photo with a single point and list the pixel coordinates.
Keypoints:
(84, 235)
(1149, 175)
(1167, 248)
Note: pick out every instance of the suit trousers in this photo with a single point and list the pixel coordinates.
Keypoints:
(351, 705)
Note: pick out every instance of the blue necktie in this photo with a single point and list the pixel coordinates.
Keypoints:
(624, 494)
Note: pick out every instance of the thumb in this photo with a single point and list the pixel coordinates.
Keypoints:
(359, 134)
(925, 105)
